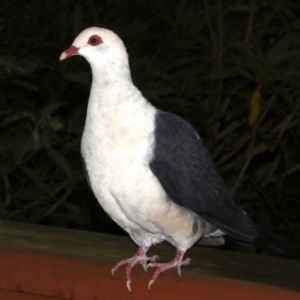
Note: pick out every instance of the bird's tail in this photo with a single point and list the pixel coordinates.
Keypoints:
(268, 241)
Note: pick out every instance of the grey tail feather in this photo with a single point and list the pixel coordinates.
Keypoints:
(211, 241)
(268, 241)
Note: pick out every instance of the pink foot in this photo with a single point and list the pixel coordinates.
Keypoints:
(140, 257)
(177, 262)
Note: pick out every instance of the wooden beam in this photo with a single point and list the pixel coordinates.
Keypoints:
(38, 262)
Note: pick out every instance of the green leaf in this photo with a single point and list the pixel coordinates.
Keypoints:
(49, 109)
(59, 160)
(16, 117)
(37, 180)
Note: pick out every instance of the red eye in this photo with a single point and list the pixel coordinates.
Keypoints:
(95, 40)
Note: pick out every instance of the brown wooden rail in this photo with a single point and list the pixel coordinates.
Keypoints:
(44, 263)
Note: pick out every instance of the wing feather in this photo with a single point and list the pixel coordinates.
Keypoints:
(186, 172)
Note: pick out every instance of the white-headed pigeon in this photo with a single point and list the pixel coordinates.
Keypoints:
(149, 169)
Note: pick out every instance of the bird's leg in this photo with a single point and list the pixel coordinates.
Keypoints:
(140, 257)
(177, 262)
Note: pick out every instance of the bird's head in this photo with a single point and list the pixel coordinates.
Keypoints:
(97, 46)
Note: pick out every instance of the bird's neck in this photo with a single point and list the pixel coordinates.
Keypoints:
(113, 90)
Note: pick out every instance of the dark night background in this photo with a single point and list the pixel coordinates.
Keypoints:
(231, 68)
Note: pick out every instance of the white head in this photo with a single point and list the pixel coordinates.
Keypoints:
(98, 46)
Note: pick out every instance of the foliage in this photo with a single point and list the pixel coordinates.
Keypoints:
(231, 68)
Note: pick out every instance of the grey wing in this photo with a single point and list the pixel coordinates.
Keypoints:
(186, 172)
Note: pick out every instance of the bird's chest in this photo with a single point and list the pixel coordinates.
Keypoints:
(116, 151)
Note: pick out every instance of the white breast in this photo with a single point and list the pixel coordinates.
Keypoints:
(117, 145)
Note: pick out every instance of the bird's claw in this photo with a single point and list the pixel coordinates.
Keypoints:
(187, 261)
(128, 283)
(150, 283)
(145, 267)
(139, 258)
(151, 265)
(176, 263)
(153, 259)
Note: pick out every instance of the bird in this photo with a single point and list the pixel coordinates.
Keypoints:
(149, 169)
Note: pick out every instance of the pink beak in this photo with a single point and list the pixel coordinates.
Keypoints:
(69, 52)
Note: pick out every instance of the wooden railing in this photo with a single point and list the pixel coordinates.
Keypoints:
(39, 263)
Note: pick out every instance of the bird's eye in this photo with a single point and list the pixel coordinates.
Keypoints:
(95, 40)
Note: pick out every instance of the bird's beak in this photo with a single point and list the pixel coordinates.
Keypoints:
(69, 52)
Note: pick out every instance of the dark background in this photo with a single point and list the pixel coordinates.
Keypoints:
(231, 68)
